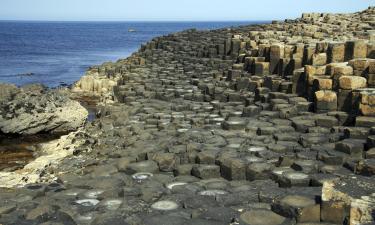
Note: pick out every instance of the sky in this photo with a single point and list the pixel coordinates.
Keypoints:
(171, 10)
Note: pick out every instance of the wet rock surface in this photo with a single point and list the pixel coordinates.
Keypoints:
(250, 125)
(16, 151)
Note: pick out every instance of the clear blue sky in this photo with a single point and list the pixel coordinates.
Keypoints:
(171, 9)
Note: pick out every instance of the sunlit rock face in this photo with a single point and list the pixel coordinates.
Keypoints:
(32, 110)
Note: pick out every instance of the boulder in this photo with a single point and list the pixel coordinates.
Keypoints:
(350, 197)
(336, 52)
(322, 83)
(367, 101)
(262, 68)
(233, 169)
(352, 82)
(301, 208)
(325, 101)
(93, 83)
(206, 171)
(148, 166)
(259, 171)
(355, 49)
(353, 147)
(262, 217)
(30, 111)
(166, 161)
(365, 167)
(319, 59)
(290, 179)
(7, 91)
(342, 70)
(276, 53)
(367, 110)
(360, 66)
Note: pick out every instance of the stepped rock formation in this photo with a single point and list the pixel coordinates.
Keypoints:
(267, 124)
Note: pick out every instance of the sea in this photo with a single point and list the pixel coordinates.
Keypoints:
(59, 53)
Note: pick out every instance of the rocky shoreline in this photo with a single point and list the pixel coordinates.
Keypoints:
(262, 125)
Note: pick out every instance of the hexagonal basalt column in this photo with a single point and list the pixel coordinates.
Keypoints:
(301, 208)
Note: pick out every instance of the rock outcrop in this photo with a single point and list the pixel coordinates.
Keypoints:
(97, 82)
(351, 197)
(39, 170)
(33, 110)
(7, 91)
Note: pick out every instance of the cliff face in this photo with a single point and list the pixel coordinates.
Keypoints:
(262, 124)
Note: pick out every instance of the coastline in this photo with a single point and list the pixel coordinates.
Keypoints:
(55, 52)
(224, 126)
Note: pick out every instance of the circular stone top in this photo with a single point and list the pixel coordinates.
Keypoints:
(142, 176)
(306, 162)
(297, 201)
(253, 159)
(71, 192)
(234, 145)
(281, 170)
(143, 163)
(87, 202)
(235, 122)
(182, 130)
(86, 217)
(261, 217)
(174, 184)
(296, 175)
(212, 192)
(236, 113)
(93, 193)
(112, 202)
(164, 205)
(256, 149)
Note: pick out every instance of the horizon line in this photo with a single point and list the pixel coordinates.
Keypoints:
(230, 20)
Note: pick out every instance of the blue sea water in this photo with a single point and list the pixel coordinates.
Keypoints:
(60, 52)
